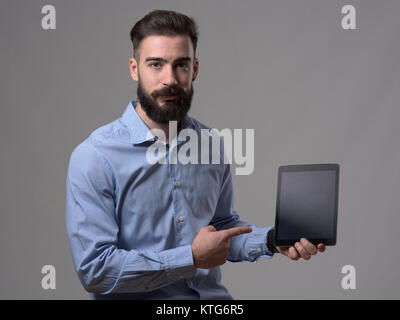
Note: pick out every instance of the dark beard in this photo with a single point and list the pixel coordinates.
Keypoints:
(171, 110)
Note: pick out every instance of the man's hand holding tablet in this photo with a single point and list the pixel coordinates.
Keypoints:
(302, 249)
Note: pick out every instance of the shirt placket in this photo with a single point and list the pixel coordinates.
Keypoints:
(179, 215)
(180, 218)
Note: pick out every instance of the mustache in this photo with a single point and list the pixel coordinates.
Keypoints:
(168, 91)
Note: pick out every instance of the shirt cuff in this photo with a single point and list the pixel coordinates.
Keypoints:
(179, 263)
(257, 244)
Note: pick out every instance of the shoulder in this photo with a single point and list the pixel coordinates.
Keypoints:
(86, 163)
(112, 133)
(103, 140)
(196, 124)
(91, 156)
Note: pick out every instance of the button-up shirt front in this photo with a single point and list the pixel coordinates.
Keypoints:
(131, 222)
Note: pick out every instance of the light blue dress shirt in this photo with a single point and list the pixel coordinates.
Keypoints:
(130, 223)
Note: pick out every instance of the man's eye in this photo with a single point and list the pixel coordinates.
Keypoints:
(155, 65)
(182, 65)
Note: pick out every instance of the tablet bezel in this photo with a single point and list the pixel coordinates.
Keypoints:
(307, 167)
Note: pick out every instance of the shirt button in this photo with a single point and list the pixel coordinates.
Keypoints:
(176, 184)
(259, 249)
(181, 219)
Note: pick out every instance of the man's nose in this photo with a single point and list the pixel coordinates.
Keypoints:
(169, 77)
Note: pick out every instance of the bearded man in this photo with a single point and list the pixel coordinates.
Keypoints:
(140, 230)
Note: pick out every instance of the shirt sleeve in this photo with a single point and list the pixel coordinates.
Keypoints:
(247, 247)
(92, 231)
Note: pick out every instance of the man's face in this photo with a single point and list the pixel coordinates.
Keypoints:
(165, 72)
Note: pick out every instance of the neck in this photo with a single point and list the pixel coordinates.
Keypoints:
(152, 124)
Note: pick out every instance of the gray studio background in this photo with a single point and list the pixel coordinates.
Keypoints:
(313, 92)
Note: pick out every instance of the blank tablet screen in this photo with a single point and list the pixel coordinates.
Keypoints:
(307, 205)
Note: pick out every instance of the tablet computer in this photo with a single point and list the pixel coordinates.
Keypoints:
(307, 204)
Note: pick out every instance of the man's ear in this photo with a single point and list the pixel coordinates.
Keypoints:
(133, 68)
(195, 69)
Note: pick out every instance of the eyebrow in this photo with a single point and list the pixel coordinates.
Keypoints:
(163, 60)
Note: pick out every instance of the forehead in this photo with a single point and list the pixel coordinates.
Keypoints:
(167, 47)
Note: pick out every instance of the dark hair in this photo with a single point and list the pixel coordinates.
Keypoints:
(166, 23)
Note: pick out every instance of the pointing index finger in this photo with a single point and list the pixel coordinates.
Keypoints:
(233, 232)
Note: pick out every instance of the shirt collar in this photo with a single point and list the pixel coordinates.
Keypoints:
(138, 130)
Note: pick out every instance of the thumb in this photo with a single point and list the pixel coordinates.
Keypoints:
(209, 228)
